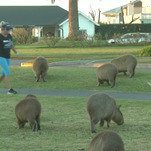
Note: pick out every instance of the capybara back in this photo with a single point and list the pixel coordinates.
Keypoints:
(126, 63)
(40, 67)
(107, 141)
(107, 72)
(28, 110)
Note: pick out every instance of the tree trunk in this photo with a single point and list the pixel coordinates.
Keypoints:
(73, 18)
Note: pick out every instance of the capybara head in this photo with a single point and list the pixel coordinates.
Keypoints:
(118, 116)
(106, 141)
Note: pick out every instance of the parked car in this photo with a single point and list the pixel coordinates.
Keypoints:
(132, 38)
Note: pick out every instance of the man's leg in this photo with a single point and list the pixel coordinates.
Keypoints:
(2, 78)
(8, 84)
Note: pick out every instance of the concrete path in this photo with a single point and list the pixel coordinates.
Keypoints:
(82, 93)
(82, 64)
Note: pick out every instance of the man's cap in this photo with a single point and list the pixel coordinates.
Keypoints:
(5, 25)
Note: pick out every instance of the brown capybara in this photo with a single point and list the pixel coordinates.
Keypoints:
(126, 63)
(28, 110)
(101, 107)
(107, 72)
(40, 68)
(106, 141)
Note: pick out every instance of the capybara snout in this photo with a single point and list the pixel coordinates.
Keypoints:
(28, 110)
(40, 68)
(101, 107)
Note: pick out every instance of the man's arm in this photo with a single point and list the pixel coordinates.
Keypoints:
(14, 50)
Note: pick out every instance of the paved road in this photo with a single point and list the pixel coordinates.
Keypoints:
(82, 93)
(81, 64)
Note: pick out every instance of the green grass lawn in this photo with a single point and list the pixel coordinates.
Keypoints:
(66, 127)
(77, 79)
(64, 54)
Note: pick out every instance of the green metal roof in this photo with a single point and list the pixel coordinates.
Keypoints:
(33, 15)
(118, 9)
(115, 10)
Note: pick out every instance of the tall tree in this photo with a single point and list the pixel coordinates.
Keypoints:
(73, 17)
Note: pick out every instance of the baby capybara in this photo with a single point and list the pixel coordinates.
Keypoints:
(107, 72)
(101, 107)
(40, 68)
(106, 141)
(28, 110)
(126, 63)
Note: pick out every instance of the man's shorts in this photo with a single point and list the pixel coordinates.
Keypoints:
(4, 63)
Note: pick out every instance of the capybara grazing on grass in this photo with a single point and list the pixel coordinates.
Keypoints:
(107, 72)
(28, 110)
(106, 141)
(102, 107)
(126, 63)
(40, 67)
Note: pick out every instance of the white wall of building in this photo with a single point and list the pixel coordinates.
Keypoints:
(84, 24)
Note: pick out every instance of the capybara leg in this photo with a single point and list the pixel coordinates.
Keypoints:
(43, 77)
(99, 82)
(125, 73)
(108, 123)
(112, 84)
(38, 123)
(101, 123)
(38, 77)
(21, 124)
(33, 125)
(93, 127)
(132, 72)
(108, 82)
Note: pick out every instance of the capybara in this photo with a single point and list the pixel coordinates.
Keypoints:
(40, 67)
(107, 72)
(106, 141)
(102, 107)
(28, 110)
(126, 63)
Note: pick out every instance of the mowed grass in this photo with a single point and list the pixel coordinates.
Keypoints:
(66, 127)
(64, 54)
(77, 79)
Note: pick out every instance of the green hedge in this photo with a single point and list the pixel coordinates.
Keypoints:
(108, 30)
(145, 51)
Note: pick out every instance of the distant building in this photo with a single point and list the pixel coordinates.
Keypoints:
(45, 20)
(138, 11)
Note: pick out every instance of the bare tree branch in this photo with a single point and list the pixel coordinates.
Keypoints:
(133, 19)
(92, 13)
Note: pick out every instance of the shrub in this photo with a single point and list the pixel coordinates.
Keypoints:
(14, 41)
(90, 41)
(20, 34)
(145, 51)
(51, 41)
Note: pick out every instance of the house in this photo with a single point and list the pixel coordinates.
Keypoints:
(45, 20)
(138, 11)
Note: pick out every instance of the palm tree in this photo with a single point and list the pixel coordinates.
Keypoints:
(73, 17)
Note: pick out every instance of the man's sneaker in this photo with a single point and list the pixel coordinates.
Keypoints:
(149, 83)
(11, 91)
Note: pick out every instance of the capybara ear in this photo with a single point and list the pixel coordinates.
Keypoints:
(119, 106)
